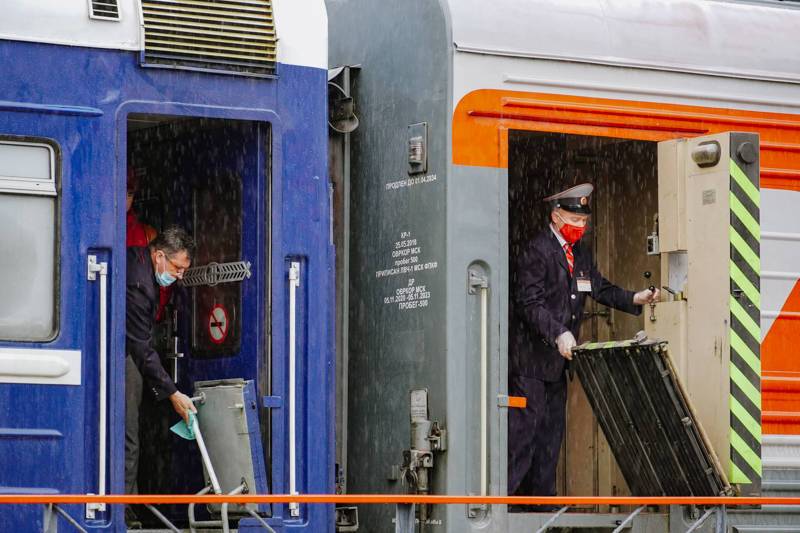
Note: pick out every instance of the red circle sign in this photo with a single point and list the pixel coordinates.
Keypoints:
(218, 324)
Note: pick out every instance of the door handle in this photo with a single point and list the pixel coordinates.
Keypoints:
(479, 283)
(95, 268)
(294, 283)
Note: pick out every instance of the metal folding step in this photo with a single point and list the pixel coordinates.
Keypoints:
(648, 420)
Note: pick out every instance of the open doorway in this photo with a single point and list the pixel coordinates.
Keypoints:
(624, 212)
(211, 178)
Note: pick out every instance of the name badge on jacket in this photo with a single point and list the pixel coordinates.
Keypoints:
(584, 284)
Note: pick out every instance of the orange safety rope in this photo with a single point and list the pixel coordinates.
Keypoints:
(389, 499)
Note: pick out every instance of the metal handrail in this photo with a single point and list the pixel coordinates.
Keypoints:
(552, 519)
(95, 267)
(294, 284)
(480, 283)
(719, 502)
(733, 501)
(628, 519)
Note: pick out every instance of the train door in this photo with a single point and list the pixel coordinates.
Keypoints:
(57, 313)
(624, 207)
(683, 215)
(210, 177)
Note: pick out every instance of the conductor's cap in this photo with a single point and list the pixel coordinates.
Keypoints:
(575, 199)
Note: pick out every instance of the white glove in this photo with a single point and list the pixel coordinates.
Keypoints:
(646, 297)
(566, 342)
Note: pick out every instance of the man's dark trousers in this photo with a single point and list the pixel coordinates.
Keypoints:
(133, 403)
(534, 435)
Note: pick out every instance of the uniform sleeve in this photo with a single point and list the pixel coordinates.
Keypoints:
(532, 274)
(610, 295)
(138, 344)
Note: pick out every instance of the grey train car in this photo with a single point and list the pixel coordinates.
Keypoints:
(469, 114)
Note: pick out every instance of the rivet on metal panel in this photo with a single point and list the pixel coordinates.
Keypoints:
(747, 152)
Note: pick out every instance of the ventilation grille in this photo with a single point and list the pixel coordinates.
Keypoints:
(104, 9)
(227, 35)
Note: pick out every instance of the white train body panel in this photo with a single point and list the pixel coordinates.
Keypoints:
(301, 24)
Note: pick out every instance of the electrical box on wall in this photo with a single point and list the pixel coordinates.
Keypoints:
(710, 271)
(418, 148)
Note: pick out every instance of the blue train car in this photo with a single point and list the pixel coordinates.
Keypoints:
(224, 129)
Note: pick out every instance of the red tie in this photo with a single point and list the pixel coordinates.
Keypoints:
(570, 257)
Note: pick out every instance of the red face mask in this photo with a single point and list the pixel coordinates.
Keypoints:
(571, 233)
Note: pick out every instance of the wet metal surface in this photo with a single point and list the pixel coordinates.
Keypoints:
(647, 420)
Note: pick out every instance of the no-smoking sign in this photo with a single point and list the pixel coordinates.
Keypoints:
(218, 324)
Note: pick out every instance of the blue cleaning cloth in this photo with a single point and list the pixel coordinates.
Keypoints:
(183, 430)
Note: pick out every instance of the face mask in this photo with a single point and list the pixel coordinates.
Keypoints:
(571, 233)
(165, 279)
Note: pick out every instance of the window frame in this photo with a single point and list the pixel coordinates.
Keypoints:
(56, 166)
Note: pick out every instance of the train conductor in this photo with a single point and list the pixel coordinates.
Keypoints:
(555, 273)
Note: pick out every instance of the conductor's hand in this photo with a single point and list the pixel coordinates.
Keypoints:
(646, 297)
(566, 342)
(182, 405)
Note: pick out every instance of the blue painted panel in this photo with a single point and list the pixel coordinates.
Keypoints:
(80, 98)
(253, 427)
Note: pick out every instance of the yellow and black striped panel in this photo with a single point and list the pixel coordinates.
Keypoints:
(745, 319)
(220, 35)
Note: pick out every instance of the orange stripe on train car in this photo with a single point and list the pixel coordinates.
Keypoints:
(482, 119)
(376, 499)
(780, 381)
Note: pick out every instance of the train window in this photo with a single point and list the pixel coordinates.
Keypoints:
(216, 320)
(27, 238)
(194, 172)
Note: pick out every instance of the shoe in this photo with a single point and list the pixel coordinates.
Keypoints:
(131, 519)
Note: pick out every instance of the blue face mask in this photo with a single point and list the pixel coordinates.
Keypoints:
(165, 279)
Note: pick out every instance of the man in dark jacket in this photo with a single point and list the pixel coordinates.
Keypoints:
(554, 274)
(149, 267)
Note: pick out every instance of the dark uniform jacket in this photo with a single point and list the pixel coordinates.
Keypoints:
(547, 302)
(141, 302)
